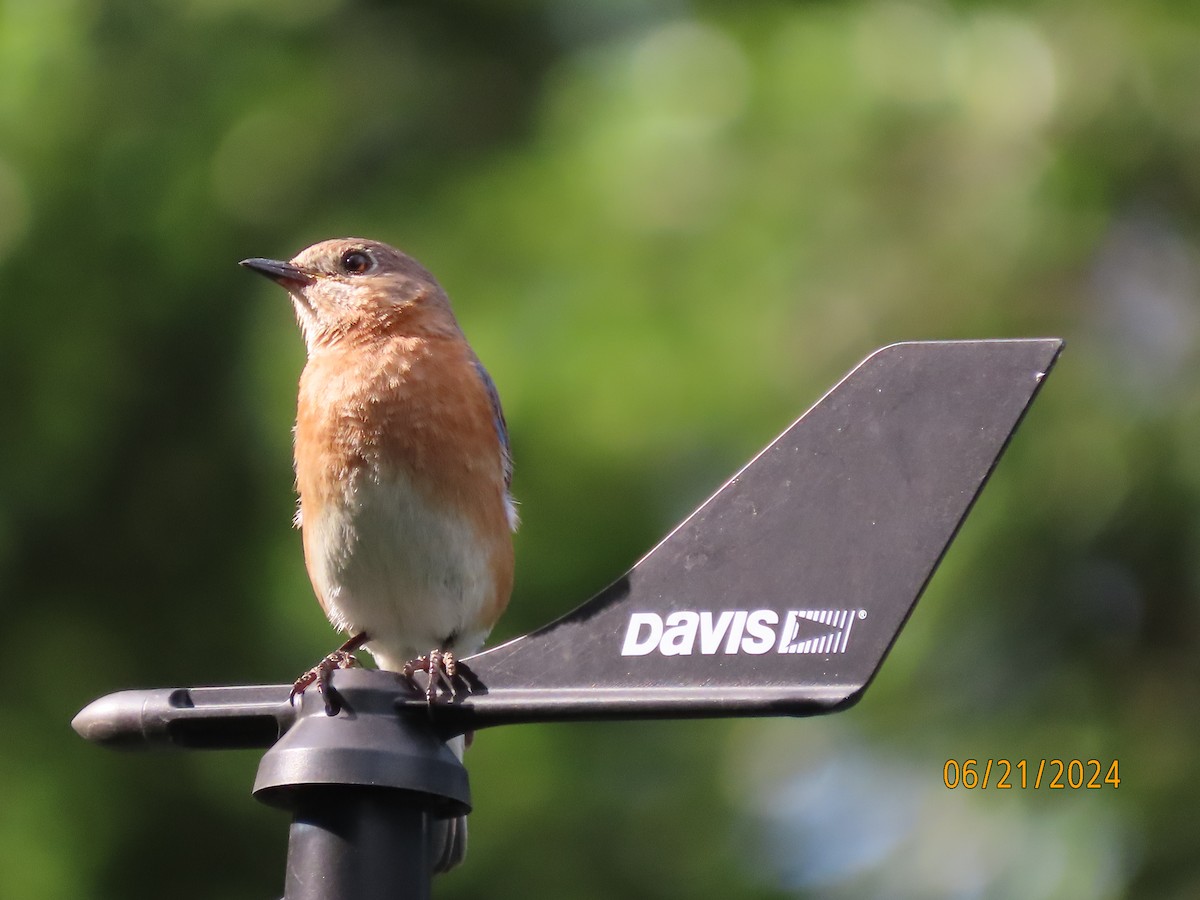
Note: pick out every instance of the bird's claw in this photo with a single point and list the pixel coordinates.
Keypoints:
(442, 668)
(320, 673)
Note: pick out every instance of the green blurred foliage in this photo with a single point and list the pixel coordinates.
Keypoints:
(667, 228)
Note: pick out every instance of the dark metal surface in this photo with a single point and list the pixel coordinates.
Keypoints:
(781, 595)
(355, 844)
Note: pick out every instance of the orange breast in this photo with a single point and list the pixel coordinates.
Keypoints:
(409, 405)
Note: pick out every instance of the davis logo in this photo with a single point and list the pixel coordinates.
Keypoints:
(731, 631)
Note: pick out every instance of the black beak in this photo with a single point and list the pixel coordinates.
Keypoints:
(282, 272)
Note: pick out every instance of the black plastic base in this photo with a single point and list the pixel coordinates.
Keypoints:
(370, 791)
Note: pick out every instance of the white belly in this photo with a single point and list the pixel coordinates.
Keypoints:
(411, 576)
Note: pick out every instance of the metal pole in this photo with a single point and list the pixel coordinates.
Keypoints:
(357, 843)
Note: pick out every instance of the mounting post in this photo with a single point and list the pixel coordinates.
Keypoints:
(370, 791)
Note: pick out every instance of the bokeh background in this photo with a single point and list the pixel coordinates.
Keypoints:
(667, 227)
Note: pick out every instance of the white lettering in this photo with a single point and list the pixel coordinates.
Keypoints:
(735, 632)
(635, 644)
(760, 635)
(680, 635)
(710, 633)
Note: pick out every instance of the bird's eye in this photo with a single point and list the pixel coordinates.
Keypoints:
(355, 262)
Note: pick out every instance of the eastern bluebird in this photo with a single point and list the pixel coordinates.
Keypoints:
(402, 462)
(402, 456)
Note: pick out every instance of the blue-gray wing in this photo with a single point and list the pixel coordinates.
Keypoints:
(498, 421)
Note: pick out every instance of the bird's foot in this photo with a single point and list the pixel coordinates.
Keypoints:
(443, 669)
(320, 674)
(341, 658)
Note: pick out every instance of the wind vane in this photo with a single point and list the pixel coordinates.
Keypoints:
(780, 595)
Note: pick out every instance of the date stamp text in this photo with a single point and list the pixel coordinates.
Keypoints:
(1031, 774)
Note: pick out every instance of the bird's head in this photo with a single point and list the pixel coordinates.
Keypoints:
(355, 289)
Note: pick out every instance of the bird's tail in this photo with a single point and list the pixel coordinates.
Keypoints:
(450, 835)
